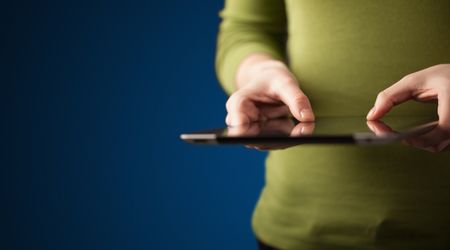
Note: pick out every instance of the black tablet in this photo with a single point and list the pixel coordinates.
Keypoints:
(326, 130)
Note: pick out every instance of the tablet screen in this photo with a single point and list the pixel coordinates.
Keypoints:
(324, 126)
(323, 130)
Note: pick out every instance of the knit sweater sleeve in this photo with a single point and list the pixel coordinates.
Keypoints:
(249, 26)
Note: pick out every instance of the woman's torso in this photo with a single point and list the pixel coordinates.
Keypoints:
(387, 197)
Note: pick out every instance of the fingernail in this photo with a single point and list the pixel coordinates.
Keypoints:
(306, 115)
(370, 114)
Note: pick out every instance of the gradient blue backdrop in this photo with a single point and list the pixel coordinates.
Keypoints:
(100, 92)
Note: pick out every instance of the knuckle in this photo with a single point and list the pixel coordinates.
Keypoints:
(383, 96)
(240, 102)
(236, 101)
(231, 101)
(228, 120)
(290, 80)
(228, 104)
(301, 99)
(411, 78)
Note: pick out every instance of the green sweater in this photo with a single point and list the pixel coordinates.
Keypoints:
(343, 53)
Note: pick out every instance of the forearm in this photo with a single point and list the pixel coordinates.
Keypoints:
(249, 27)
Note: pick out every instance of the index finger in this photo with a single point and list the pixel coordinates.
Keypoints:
(398, 93)
(297, 102)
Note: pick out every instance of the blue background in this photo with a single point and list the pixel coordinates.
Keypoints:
(100, 92)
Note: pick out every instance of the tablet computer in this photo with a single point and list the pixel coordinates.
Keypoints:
(325, 130)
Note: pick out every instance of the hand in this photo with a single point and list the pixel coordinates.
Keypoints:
(266, 90)
(431, 84)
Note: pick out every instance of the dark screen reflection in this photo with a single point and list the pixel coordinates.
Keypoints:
(283, 127)
(434, 140)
